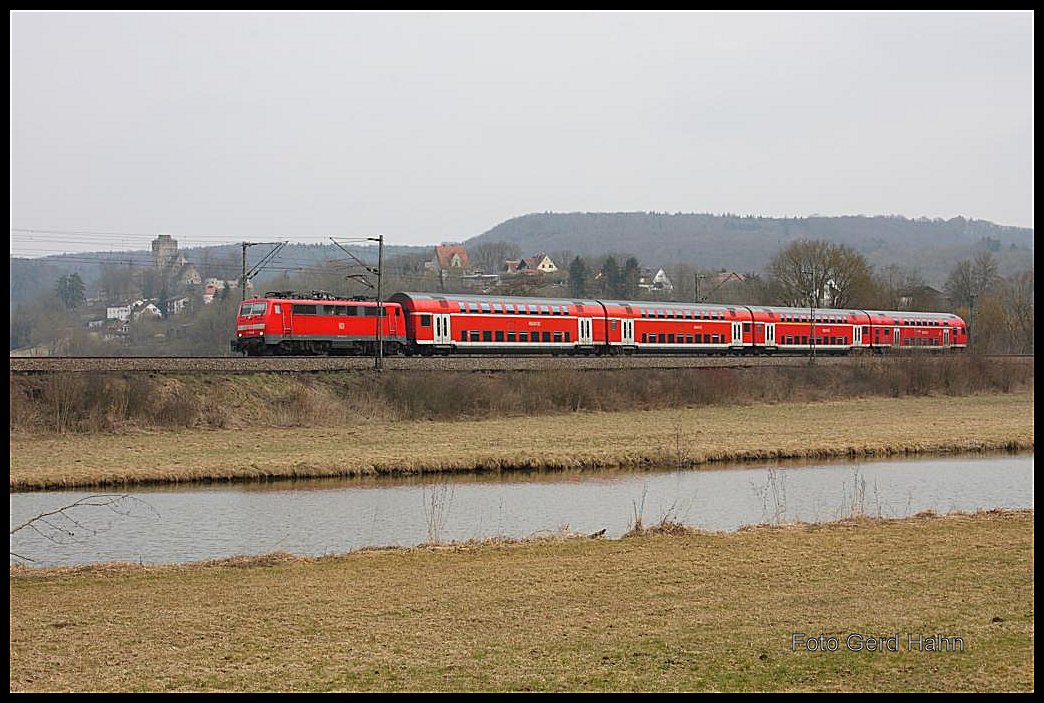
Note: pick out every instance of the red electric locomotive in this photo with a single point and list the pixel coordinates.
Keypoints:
(319, 324)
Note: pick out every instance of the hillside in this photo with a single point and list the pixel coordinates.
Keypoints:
(748, 243)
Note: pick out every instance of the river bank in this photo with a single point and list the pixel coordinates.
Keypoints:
(688, 437)
(686, 611)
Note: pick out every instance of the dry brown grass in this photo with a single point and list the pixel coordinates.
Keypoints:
(121, 402)
(686, 437)
(689, 612)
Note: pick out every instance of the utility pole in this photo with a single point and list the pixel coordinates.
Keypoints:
(813, 300)
(378, 352)
(247, 275)
(696, 285)
(378, 362)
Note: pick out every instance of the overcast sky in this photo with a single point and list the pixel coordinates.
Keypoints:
(428, 127)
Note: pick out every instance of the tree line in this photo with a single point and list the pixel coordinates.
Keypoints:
(813, 273)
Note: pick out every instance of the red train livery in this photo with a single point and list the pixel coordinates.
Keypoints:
(428, 324)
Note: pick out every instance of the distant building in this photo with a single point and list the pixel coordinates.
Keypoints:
(449, 257)
(539, 263)
(661, 282)
(723, 277)
(655, 281)
(120, 312)
(176, 305)
(164, 251)
(146, 308)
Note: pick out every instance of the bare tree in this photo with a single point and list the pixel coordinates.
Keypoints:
(815, 272)
(1016, 295)
(489, 257)
(971, 279)
(65, 523)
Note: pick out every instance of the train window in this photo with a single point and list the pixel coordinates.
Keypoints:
(558, 336)
(497, 307)
(425, 320)
(511, 335)
(463, 335)
(554, 310)
(670, 339)
(498, 336)
(545, 309)
(567, 336)
(277, 309)
(688, 339)
(509, 307)
(463, 307)
(746, 328)
(484, 307)
(476, 336)
(645, 338)
(304, 309)
(523, 336)
(473, 307)
(545, 336)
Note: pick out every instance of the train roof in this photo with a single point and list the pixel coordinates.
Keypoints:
(469, 298)
(285, 297)
(903, 316)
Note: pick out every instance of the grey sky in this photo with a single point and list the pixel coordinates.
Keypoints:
(424, 127)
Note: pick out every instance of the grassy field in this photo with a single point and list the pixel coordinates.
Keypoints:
(684, 437)
(675, 612)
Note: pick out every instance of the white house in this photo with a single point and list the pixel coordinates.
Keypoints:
(121, 312)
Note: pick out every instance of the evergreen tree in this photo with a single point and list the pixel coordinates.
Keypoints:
(578, 273)
(71, 290)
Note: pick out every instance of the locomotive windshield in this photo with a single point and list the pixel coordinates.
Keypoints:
(247, 309)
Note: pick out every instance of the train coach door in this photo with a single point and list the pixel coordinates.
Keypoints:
(628, 332)
(946, 337)
(737, 334)
(895, 337)
(770, 334)
(441, 329)
(586, 330)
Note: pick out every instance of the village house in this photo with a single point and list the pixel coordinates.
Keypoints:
(540, 263)
(655, 281)
(449, 257)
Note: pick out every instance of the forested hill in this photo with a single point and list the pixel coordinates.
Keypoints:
(739, 243)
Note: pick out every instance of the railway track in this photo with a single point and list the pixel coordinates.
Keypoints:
(225, 364)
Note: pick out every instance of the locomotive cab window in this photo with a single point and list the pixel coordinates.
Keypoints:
(425, 320)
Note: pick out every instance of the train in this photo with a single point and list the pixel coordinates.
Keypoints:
(430, 324)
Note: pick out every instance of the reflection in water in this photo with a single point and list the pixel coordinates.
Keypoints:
(328, 516)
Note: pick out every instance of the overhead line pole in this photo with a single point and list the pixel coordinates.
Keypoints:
(379, 359)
